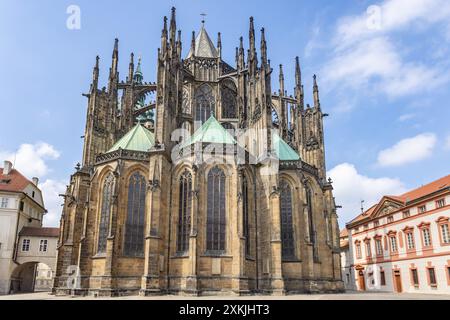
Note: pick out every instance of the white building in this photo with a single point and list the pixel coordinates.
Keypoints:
(21, 210)
(346, 261)
(402, 244)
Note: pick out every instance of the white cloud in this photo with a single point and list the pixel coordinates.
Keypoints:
(367, 57)
(350, 187)
(30, 159)
(408, 150)
(52, 201)
(406, 117)
(447, 142)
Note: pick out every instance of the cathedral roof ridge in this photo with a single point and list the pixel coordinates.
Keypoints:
(283, 150)
(204, 46)
(211, 131)
(138, 138)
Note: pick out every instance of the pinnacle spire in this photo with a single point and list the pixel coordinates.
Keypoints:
(263, 48)
(281, 78)
(316, 93)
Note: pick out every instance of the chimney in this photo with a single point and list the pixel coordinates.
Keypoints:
(7, 167)
(35, 181)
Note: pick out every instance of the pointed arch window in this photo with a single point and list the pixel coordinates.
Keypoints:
(184, 212)
(311, 227)
(246, 207)
(215, 232)
(134, 227)
(229, 100)
(287, 229)
(204, 103)
(108, 187)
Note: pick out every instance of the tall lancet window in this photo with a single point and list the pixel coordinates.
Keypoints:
(184, 212)
(108, 189)
(204, 103)
(245, 209)
(134, 227)
(215, 224)
(287, 229)
(229, 101)
(311, 228)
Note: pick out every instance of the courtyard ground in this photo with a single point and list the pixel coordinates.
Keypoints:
(344, 296)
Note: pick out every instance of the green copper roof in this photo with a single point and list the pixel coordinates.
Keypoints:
(211, 131)
(283, 150)
(137, 139)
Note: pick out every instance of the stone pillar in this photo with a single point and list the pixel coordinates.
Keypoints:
(240, 281)
(192, 281)
(150, 284)
(275, 244)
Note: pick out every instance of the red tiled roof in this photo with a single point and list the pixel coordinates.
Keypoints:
(427, 189)
(39, 232)
(344, 233)
(13, 182)
(411, 195)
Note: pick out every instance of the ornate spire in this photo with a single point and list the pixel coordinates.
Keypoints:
(138, 76)
(173, 28)
(316, 93)
(95, 73)
(219, 44)
(281, 78)
(263, 49)
(298, 85)
(164, 37)
(131, 68)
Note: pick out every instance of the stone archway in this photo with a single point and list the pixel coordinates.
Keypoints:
(25, 278)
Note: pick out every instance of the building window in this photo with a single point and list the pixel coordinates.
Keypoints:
(366, 227)
(422, 209)
(287, 230)
(426, 237)
(393, 241)
(415, 277)
(245, 205)
(410, 240)
(358, 251)
(406, 214)
(445, 233)
(215, 233)
(4, 203)
(440, 203)
(368, 249)
(379, 247)
(105, 212)
(229, 101)
(43, 244)
(432, 276)
(134, 227)
(205, 103)
(382, 278)
(311, 227)
(26, 245)
(184, 212)
(390, 219)
(21, 205)
(376, 223)
(356, 230)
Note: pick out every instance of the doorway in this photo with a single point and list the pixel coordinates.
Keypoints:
(398, 281)
(361, 281)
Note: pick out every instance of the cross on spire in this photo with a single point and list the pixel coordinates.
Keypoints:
(203, 17)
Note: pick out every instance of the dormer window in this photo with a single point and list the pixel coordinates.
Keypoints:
(440, 203)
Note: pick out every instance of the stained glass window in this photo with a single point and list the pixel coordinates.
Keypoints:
(215, 232)
(134, 227)
(184, 212)
(108, 187)
(287, 230)
(204, 103)
(229, 101)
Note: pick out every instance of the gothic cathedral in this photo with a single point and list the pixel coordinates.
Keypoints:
(215, 186)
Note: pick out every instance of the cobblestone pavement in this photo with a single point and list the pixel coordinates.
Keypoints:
(344, 296)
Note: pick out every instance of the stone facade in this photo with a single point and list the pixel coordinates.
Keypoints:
(188, 91)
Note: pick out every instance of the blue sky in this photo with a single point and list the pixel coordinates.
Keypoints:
(383, 73)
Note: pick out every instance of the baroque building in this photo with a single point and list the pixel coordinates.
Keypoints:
(222, 191)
